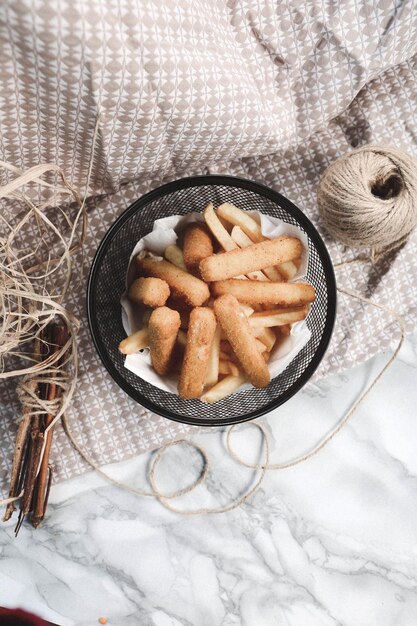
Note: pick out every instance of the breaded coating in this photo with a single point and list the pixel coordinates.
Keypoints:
(256, 292)
(163, 327)
(194, 369)
(149, 291)
(182, 284)
(197, 246)
(236, 327)
(255, 257)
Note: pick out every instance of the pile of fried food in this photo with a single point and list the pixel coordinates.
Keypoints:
(217, 307)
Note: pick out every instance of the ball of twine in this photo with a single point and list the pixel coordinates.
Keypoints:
(368, 198)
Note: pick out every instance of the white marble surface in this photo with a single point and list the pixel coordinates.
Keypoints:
(330, 542)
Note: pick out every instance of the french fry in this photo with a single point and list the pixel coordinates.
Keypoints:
(247, 310)
(228, 367)
(288, 270)
(223, 355)
(261, 346)
(212, 376)
(224, 367)
(272, 273)
(266, 336)
(257, 276)
(226, 225)
(240, 218)
(182, 338)
(174, 255)
(277, 317)
(217, 229)
(135, 342)
(223, 388)
(285, 330)
(239, 237)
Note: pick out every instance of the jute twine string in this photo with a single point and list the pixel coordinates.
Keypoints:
(368, 198)
(22, 319)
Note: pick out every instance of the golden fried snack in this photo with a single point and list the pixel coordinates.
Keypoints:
(135, 342)
(240, 336)
(266, 336)
(197, 353)
(213, 368)
(174, 255)
(182, 338)
(255, 257)
(182, 285)
(254, 292)
(228, 367)
(244, 241)
(164, 324)
(217, 229)
(277, 317)
(261, 346)
(197, 246)
(223, 388)
(288, 270)
(150, 291)
(242, 219)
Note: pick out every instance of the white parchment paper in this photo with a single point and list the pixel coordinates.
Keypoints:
(165, 232)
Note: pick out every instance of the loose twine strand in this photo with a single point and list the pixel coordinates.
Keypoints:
(22, 322)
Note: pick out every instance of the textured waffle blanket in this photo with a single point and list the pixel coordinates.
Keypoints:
(272, 91)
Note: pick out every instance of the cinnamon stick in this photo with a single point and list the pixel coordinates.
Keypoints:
(59, 336)
(35, 444)
(20, 446)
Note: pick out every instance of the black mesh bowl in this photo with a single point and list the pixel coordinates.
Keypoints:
(106, 284)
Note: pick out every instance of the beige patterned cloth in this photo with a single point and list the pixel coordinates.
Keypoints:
(272, 91)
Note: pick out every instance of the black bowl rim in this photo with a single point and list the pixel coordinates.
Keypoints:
(230, 181)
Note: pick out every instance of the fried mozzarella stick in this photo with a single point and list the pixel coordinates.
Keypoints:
(150, 291)
(197, 246)
(256, 257)
(236, 327)
(195, 365)
(193, 290)
(254, 292)
(163, 327)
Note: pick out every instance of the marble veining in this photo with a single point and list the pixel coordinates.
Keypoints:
(329, 542)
